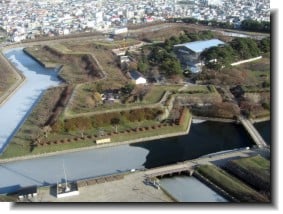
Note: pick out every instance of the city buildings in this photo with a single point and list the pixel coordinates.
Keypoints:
(25, 19)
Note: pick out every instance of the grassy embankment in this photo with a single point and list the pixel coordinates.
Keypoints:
(4, 198)
(257, 165)
(77, 67)
(255, 171)
(9, 78)
(230, 184)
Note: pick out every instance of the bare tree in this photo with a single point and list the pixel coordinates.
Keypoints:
(115, 122)
(46, 130)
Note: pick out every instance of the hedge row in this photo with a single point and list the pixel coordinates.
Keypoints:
(100, 120)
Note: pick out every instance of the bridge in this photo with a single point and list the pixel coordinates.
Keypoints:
(219, 158)
(179, 168)
(252, 131)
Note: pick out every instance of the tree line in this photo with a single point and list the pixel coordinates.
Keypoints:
(237, 49)
(162, 54)
(106, 119)
(247, 24)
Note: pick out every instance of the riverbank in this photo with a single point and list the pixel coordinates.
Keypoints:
(225, 120)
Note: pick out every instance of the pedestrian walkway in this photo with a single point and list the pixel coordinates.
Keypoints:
(253, 132)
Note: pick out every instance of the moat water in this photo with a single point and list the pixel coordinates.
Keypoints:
(17, 108)
(190, 189)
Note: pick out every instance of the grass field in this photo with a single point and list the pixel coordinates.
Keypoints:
(8, 76)
(255, 167)
(230, 184)
(257, 71)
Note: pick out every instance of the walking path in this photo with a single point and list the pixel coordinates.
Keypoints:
(217, 158)
(253, 132)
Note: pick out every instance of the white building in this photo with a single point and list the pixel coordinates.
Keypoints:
(117, 31)
(137, 78)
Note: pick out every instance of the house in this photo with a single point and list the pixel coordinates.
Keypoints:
(189, 53)
(137, 77)
(121, 30)
(110, 96)
(124, 60)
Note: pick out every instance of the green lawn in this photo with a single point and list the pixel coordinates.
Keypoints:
(230, 184)
(8, 77)
(257, 71)
(256, 166)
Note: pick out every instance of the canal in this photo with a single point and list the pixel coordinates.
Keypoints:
(204, 138)
(189, 189)
(264, 128)
(17, 108)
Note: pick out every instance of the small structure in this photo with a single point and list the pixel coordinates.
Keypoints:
(66, 189)
(103, 140)
(120, 30)
(124, 59)
(27, 192)
(137, 77)
(111, 96)
(189, 53)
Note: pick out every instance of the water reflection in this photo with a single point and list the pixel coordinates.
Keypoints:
(264, 128)
(203, 138)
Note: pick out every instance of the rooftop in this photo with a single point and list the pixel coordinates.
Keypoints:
(200, 46)
(135, 74)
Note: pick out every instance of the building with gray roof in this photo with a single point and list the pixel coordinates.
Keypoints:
(189, 53)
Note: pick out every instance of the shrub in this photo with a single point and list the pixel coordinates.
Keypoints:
(78, 123)
(58, 126)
